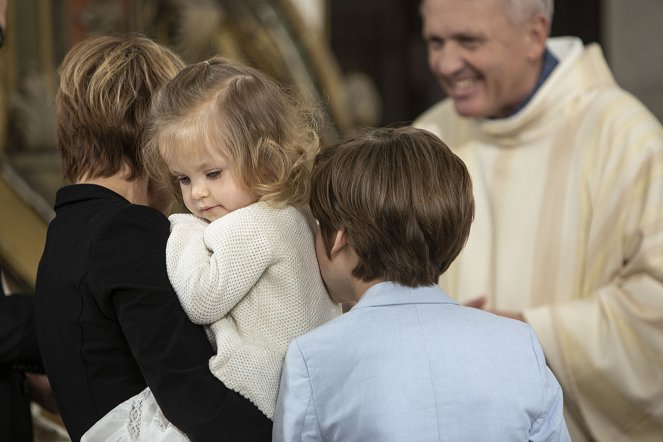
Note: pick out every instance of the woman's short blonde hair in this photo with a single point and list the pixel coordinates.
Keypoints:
(267, 135)
(106, 84)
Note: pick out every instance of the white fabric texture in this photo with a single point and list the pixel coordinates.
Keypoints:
(135, 420)
(252, 278)
(569, 230)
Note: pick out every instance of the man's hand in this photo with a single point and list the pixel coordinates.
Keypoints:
(480, 302)
(476, 302)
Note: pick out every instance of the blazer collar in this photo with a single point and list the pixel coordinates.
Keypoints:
(390, 293)
(74, 193)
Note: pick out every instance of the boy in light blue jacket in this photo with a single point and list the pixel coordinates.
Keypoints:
(407, 363)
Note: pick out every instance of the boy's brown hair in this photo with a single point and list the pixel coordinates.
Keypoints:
(106, 84)
(404, 199)
(268, 135)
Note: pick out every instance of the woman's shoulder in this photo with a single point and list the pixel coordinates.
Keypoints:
(135, 216)
(132, 226)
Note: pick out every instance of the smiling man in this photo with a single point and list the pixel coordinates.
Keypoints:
(487, 61)
(568, 182)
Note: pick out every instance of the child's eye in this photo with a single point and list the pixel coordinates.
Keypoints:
(214, 174)
(183, 180)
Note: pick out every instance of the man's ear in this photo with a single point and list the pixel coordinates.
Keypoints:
(340, 242)
(537, 35)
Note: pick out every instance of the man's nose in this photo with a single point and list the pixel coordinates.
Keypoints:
(447, 60)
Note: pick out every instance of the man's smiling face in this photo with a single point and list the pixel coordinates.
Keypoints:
(487, 64)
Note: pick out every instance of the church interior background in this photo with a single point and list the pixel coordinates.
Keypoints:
(362, 61)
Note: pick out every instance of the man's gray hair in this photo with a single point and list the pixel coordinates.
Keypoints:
(519, 10)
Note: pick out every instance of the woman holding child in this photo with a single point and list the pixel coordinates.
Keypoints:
(108, 320)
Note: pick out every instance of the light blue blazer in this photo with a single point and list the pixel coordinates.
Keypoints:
(412, 365)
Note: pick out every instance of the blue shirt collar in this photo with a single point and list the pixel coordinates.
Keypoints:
(391, 293)
(549, 64)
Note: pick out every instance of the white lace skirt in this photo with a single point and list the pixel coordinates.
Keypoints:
(137, 419)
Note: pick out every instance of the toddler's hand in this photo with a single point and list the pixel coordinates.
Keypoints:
(188, 219)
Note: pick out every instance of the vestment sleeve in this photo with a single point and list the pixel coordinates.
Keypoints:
(295, 417)
(606, 345)
(171, 351)
(212, 267)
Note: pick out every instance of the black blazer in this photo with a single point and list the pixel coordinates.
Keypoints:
(18, 341)
(109, 322)
(18, 351)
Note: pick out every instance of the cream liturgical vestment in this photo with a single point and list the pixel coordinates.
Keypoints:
(569, 230)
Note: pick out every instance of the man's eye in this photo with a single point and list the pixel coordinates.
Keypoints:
(469, 42)
(434, 43)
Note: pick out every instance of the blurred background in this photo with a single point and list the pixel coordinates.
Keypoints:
(362, 61)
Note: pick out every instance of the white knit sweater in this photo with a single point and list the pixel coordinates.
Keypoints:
(252, 278)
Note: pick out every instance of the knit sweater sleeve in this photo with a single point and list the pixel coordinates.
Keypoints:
(213, 266)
